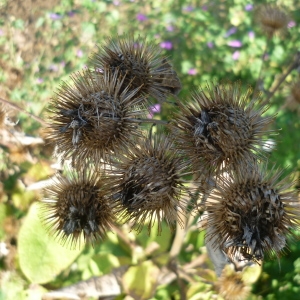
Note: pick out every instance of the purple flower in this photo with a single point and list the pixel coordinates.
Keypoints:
(166, 45)
(1, 32)
(204, 7)
(210, 45)
(53, 68)
(235, 44)
(154, 109)
(192, 71)
(55, 16)
(291, 24)
(71, 13)
(170, 28)
(141, 17)
(39, 80)
(236, 55)
(63, 63)
(116, 2)
(188, 8)
(249, 7)
(79, 53)
(231, 31)
(251, 35)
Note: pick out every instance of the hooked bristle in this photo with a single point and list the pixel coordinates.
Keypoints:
(141, 63)
(78, 207)
(148, 183)
(253, 214)
(220, 127)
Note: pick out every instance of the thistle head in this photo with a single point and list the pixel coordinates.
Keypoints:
(148, 183)
(220, 126)
(78, 207)
(272, 19)
(141, 63)
(93, 117)
(231, 285)
(252, 214)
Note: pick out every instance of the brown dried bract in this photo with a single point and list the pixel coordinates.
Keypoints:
(148, 183)
(94, 117)
(272, 19)
(78, 206)
(141, 63)
(253, 213)
(220, 126)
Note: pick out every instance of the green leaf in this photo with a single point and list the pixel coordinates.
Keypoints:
(251, 274)
(41, 257)
(140, 281)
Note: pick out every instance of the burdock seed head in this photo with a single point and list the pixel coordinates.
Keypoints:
(252, 214)
(141, 63)
(78, 206)
(220, 126)
(148, 184)
(94, 117)
(272, 19)
(231, 285)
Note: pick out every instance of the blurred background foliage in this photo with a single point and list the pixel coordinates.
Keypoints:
(41, 44)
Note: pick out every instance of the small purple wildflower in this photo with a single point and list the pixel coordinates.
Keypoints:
(210, 45)
(1, 32)
(79, 53)
(170, 28)
(55, 16)
(231, 31)
(204, 7)
(188, 8)
(154, 109)
(116, 2)
(141, 17)
(53, 68)
(166, 45)
(192, 71)
(249, 7)
(291, 24)
(236, 55)
(235, 44)
(63, 63)
(39, 80)
(251, 35)
(71, 13)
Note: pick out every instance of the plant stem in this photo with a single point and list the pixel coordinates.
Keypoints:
(258, 82)
(161, 122)
(16, 107)
(295, 64)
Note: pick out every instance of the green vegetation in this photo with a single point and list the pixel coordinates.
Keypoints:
(41, 44)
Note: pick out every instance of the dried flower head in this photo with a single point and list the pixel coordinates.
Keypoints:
(141, 63)
(148, 184)
(272, 19)
(78, 206)
(295, 92)
(231, 285)
(220, 126)
(252, 213)
(94, 117)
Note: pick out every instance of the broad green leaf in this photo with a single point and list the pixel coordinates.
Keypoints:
(41, 257)
(140, 281)
(251, 274)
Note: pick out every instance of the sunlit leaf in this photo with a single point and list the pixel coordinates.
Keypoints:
(41, 257)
